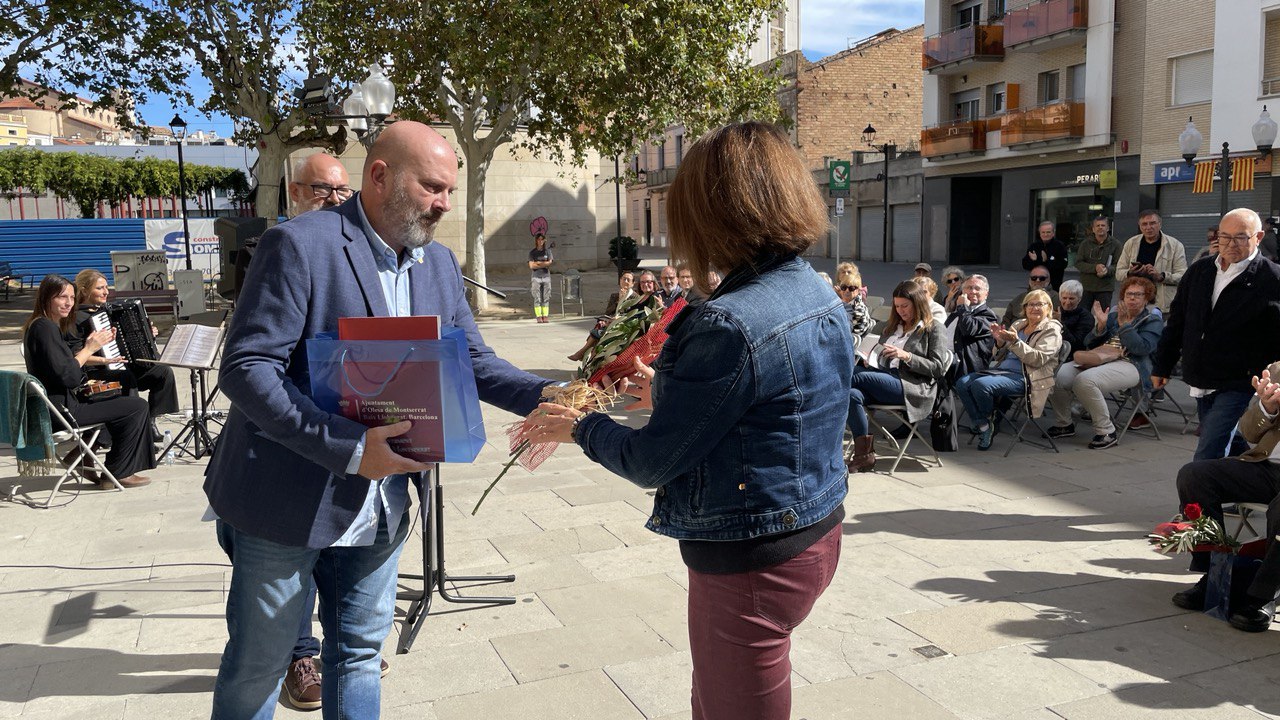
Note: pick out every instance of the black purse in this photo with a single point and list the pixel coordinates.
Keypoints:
(942, 421)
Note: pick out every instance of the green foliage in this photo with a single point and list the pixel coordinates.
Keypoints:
(623, 247)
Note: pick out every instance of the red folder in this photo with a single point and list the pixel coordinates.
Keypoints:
(377, 393)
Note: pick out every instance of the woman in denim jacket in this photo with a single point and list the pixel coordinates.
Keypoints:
(1131, 323)
(749, 398)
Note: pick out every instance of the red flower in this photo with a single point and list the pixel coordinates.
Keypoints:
(1192, 511)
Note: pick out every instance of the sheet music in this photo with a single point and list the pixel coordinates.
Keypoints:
(192, 346)
(100, 321)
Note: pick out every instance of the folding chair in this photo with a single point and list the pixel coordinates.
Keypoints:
(899, 413)
(80, 438)
(1238, 521)
(1021, 409)
(1128, 404)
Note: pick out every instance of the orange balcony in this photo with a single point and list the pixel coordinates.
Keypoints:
(1061, 120)
(951, 49)
(1046, 23)
(961, 137)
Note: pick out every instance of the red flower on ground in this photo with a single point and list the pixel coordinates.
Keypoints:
(1192, 511)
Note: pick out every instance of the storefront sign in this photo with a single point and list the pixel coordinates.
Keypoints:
(1085, 179)
(1174, 172)
(1107, 180)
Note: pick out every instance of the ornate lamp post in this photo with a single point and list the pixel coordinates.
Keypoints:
(178, 127)
(1264, 136)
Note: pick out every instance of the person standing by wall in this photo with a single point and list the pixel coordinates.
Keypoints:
(540, 259)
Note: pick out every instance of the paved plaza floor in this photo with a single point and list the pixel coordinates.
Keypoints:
(989, 588)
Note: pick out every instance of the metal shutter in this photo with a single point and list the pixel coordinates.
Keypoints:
(871, 233)
(1186, 216)
(906, 233)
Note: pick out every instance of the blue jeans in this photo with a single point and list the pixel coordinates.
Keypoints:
(871, 386)
(356, 586)
(1219, 413)
(306, 646)
(978, 393)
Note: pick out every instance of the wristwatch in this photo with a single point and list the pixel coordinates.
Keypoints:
(576, 426)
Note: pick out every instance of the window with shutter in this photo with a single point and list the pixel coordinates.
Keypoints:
(1191, 78)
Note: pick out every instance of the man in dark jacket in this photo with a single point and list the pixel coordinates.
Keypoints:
(1224, 324)
(1048, 251)
(969, 326)
(1096, 261)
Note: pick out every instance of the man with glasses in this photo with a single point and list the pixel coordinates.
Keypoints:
(1048, 251)
(671, 290)
(1154, 255)
(319, 181)
(1224, 325)
(1096, 261)
(969, 326)
(1037, 279)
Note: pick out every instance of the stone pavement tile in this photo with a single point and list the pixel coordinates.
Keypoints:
(959, 584)
(874, 484)
(1156, 700)
(822, 654)
(418, 711)
(1211, 635)
(612, 490)
(581, 696)
(629, 596)
(531, 577)
(871, 529)
(658, 686)
(672, 624)
(142, 597)
(15, 687)
(956, 520)
(978, 627)
(883, 559)
(626, 562)
(967, 551)
(573, 649)
(634, 533)
(132, 544)
(186, 706)
(203, 626)
(597, 514)
(1103, 604)
(497, 502)
(958, 495)
(449, 624)
(98, 709)
(71, 684)
(458, 553)
(553, 543)
(542, 479)
(1129, 655)
(997, 683)
(852, 597)
(1074, 566)
(429, 673)
(1027, 486)
(877, 695)
(1254, 684)
(489, 523)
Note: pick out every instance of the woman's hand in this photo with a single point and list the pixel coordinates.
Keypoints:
(1099, 316)
(892, 352)
(1268, 392)
(1002, 335)
(639, 386)
(97, 339)
(550, 423)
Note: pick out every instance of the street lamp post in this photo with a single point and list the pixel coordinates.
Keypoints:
(369, 103)
(1264, 136)
(869, 137)
(179, 128)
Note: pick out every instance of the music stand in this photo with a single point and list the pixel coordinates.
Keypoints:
(434, 578)
(195, 346)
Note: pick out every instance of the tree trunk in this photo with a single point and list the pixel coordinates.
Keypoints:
(477, 171)
(272, 155)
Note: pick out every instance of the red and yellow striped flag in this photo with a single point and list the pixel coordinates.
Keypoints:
(1242, 174)
(1204, 177)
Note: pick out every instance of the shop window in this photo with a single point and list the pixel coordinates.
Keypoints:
(1075, 83)
(995, 99)
(1191, 78)
(1050, 86)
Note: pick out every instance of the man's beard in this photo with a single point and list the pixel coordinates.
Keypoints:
(412, 229)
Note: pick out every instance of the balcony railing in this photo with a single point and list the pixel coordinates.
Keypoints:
(658, 178)
(1053, 121)
(1044, 19)
(960, 137)
(969, 42)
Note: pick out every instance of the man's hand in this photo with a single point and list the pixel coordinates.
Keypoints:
(1158, 382)
(1268, 392)
(379, 460)
(1100, 269)
(1031, 254)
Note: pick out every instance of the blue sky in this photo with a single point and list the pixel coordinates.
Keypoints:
(826, 27)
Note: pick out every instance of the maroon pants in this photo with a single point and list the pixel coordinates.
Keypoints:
(740, 633)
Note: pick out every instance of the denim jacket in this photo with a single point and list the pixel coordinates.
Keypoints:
(749, 402)
(1139, 338)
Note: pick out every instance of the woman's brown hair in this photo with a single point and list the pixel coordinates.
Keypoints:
(85, 280)
(742, 192)
(50, 287)
(910, 290)
(1147, 286)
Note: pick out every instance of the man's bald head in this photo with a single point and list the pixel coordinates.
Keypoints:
(314, 177)
(409, 177)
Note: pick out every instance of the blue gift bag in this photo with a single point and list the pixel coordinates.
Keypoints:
(1230, 576)
(380, 382)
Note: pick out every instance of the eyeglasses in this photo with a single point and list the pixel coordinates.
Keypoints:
(951, 280)
(1040, 278)
(324, 191)
(847, 288)
(1237, 239)
(1036, 304)
(1137, 294)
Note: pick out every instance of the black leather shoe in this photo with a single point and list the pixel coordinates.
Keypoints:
(1193, 597)
(1253, 618)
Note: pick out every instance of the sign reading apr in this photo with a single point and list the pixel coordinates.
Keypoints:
(839, 175)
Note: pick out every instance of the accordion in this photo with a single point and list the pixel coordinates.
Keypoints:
(134, 340)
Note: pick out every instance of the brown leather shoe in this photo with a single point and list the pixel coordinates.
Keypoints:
(132, 481)
(302, 684)
(864, 454)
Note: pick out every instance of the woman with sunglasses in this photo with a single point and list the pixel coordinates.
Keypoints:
(952, 282)
(848, 286)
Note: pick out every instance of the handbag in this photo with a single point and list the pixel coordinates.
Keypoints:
(1101, 355)
(942, 421)
(95, 390)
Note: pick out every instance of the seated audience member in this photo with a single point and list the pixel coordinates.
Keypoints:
(938, 312)
(1037, 279)
(1026, 356)
(849, 289)
(648, 292)
(618, 301)
(952, 282)
(1136, 327)
(970, 328)
(714, 278)
(1077, 320)
(61, 372)
(1251, 477)
(157, 380)
(912, 360)
(827, 278)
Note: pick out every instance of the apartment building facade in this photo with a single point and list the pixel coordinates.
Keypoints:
(1033, 112)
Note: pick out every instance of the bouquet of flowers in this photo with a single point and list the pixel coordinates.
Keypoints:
(1192, 531)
